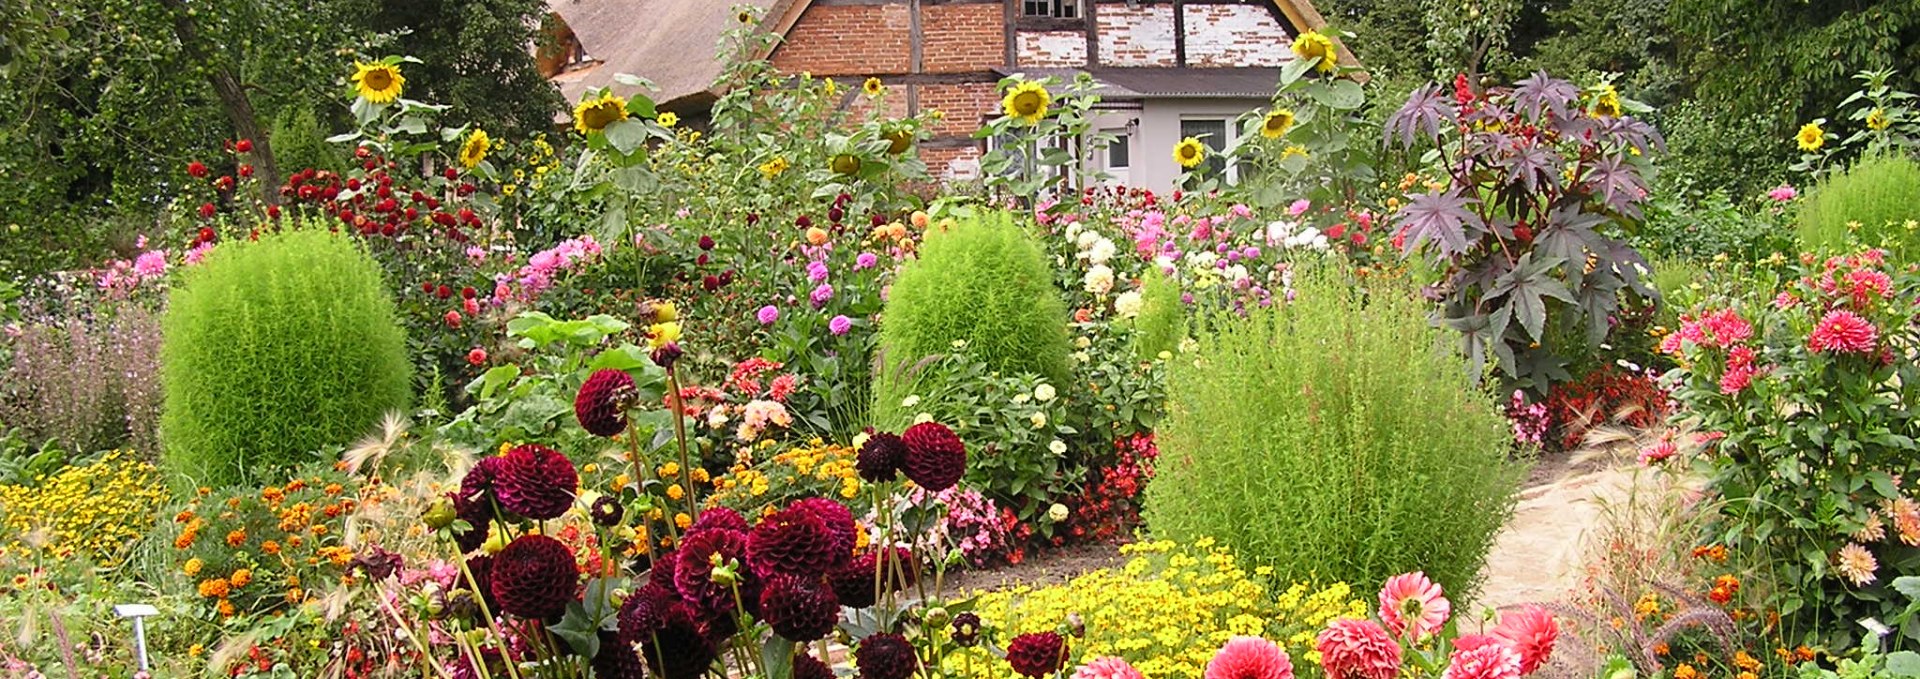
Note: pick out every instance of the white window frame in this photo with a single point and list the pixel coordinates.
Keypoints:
(1053, 9)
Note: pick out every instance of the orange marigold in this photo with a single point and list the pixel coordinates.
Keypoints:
(236, 537)
(226, 608)
(240, 578)
(216, 588)
(270, 547)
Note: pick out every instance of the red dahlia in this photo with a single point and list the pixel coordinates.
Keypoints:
(798, 608)
(808, 667)
(839, 522)
(536, 482)
(680, 650)
(482, 568)
(854, 583)
(720, 517)
(885, 656)
(700, 552)
(644, 613)
(601, 406)
(1037, 654)
(535, 578)
(936, 458)
(880, 457)
(617, 660)
(792, 541)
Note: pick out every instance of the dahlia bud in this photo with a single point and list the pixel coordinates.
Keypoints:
(726, 575)
(966, 629)
(666, 355)
(461, 604)
(1076, 626)
(937, 617)
(440, 514)
(496, 541)
(606, 511)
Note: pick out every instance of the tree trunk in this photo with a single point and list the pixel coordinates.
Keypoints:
(233, 98)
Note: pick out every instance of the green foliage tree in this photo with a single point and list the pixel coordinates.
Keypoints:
(274, 349)
(477, 59)
(300, 142)
(1790, 60)
(1329, 436)
(985, 282)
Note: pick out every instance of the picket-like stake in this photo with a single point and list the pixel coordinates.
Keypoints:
(139, 613)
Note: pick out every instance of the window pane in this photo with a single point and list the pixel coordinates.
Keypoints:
(1118, 155)
(1067, 9)
(1213, 133)
(1037, 8)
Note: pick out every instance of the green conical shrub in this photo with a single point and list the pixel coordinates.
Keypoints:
(274, 349)
(1875, 203)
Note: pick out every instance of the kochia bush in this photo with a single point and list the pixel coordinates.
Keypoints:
(984, 282)
(273, 349)
(1875, 203)
(1333, 437)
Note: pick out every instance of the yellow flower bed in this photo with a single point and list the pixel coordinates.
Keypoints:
(816, 468)
(89, 510)
(1166, 611)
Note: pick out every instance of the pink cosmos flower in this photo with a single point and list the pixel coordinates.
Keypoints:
(1250, 658)
(1783, 193)
(1480, 657)
(1358, 649)
(1843, 331)
(1413, 606)
(1107, 667)
(1530, 630)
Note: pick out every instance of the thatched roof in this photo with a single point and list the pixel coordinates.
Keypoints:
(671, 42)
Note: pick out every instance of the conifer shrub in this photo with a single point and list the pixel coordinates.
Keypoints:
(274, 349)
(1876, 203)
(984, 282)
(1335, 437)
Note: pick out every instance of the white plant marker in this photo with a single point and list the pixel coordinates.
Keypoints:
(139, 613)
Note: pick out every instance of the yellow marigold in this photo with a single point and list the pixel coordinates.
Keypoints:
(192, 567)
(682, 520)
(1877, 119)
(377, 82)
(1276, 122)
(675, 492)
(1811, 137)
(1685, 671)
(1313, 45)
(93, 509)
(670, 469)
(773, 168)
(596, 113)
(270, 547)
(667, 119)
(472, 152)
(1189, 153)
(1027, 102)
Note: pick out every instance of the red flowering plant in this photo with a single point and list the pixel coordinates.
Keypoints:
(1809, 440)
(1415, 633)
(1543, 179)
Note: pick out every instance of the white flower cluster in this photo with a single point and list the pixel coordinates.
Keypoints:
(1285, 234)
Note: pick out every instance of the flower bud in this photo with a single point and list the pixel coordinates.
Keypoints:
(937, 617)
(440, 514)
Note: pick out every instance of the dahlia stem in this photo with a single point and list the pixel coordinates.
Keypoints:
(639, 477)
(480, 599)
(680, 438)
(744, 654)
(387, 607)
(826, 654)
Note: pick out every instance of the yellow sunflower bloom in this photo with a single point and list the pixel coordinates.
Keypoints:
(773, 168)
(1877, 120)
(1811, 137)
(1294, 150)
(1276, 123)
(744, 17)
(1607, 103)
(1189, 153)
(1313, 45)
(829, 87)
(595, 114)
(667, 119)
(1027, 102)
(475, 148)
(376, 82)
(873, 88)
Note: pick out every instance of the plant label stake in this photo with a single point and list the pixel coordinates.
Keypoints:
(139, 613)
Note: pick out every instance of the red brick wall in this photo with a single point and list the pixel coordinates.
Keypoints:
(847, 40)
(962, 37)
(962, 106)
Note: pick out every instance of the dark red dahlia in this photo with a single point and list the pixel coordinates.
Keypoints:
(720, 517)
(1037, 654)
(885, 656)
(644, 612)
(536, 482)
(701, 554)
(679, 650)
(966, 629)
(479, 517)
(606, 511)
(482, 568)
(839, 522)
(617, 659)
(535, 577)
(936, 458)
(855, 584)
(880, 457)
(601, 406)
(660, 572)
(808, 667)
(793, 541)
(798, 608)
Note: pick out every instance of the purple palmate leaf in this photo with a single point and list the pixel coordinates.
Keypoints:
(1542, 92)
(1424, 115)
(1442, 218)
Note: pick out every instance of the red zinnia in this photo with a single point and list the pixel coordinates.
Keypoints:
(1843, 331)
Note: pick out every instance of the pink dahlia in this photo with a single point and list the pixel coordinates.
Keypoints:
(1413, 606)
(1250, 658)
(1477, 657)
(1530, 631)
(1107, 667)
(1844, 332)
(1358, 649)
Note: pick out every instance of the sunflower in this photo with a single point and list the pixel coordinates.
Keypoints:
(873, 88)
(1313, 45)
(846, 164)
(829, 87)
(1189, 152)
(1293, 150)
(475, 148)
(1606, 104)
(376, 82)
(744, 17)
(596, 113)
(1811, 137)
(773, 168)
(667, 119)
(1276, 123)
(1027, 102)
(1877, 120)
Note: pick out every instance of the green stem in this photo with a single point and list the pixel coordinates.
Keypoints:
(480, 600)
(680, 438)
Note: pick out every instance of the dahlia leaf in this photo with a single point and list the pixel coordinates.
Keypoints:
(579, 630)
(776, 656)
(1442, 218)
